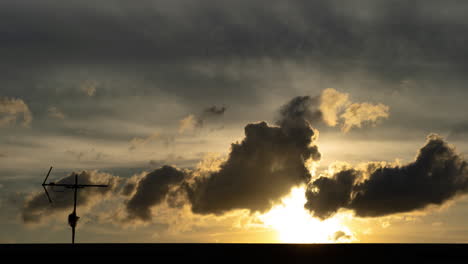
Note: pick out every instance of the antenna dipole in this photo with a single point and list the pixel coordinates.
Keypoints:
(72, 218)
(44, 184)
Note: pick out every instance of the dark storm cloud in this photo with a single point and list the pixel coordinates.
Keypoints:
(37, 206)
(333, 193)
(437, 175)
(260, 169)
(152, 190)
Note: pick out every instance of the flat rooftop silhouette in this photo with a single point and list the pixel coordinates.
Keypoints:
(222, 252)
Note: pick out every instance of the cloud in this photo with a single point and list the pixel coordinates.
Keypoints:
(320, 29)
(298, 110)
(189, 123)
(336, 109)
(192, 122)
(326, 195)
(129, 189)
(138, 142)
(437, 175)
(11, 109)
(358, 113)
(55, 113)
(215, 110)
(37, 207)
(258, 171)
(89, 87)
(341, 236)
(262, 168)
(331, 102)
(152, 190)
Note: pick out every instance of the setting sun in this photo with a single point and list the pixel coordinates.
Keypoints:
(295, 225)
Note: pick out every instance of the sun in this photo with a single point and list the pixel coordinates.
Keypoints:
(294, 224)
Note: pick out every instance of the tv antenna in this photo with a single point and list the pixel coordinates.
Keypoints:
(72, 218)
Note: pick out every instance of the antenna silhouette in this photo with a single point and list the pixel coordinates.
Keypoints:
(72, 218)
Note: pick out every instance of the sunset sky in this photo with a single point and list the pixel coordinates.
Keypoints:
(235, 121)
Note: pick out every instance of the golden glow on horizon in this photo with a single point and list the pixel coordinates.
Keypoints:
(294, 224)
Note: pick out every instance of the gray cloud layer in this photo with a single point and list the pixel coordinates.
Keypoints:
(381, 30)
(161, 41)
(217, 51)
(437, 175)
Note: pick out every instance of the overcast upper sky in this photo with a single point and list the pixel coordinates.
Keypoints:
(121, 88)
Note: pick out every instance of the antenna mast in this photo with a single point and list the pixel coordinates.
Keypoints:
(72, 218)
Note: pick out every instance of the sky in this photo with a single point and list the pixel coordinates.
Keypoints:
(235, 121)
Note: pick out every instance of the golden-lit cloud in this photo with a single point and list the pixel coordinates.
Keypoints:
(358, 113)
(336, 108)
(188, 124)
(331, 102)
(11, 109)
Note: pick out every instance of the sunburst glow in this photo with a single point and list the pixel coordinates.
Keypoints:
(295, 225)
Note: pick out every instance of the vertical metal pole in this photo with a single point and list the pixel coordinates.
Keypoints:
(76, 188)
(74, 209)
(73, 235)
